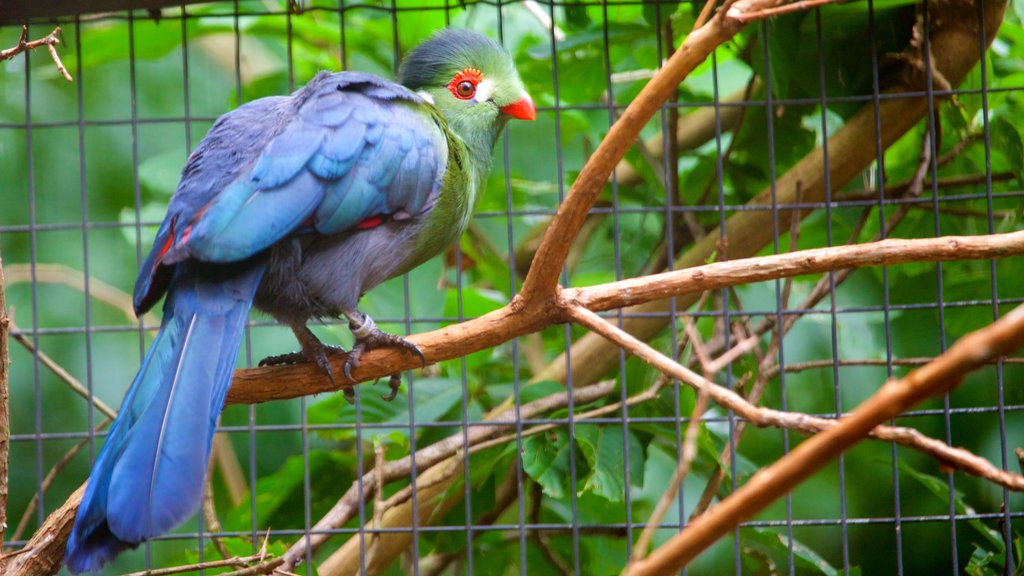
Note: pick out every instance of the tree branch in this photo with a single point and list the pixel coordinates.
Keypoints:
(256, 385)
(5, 414)
(50, 41)
(542, 279)
(946, 372)
(954, 25)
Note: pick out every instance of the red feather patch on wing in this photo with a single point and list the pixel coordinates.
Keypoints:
(371, 222)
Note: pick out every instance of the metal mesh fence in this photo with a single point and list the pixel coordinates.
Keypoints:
(88, 168)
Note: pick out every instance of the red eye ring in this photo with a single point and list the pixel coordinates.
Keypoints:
(463, 85)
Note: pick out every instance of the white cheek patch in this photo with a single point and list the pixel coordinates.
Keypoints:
(484, 90)
(426, 96)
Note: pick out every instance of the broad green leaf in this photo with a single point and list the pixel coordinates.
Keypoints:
(434, 398)
(776, 542)
(604, 451)
(658, 11)
(546, 460)
(940, 489)
(1006, 139)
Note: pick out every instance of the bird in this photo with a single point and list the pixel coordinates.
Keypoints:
(296, 205)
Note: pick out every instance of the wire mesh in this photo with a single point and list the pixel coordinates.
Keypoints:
(148, 86)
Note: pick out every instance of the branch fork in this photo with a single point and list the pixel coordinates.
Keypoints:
(50, 41)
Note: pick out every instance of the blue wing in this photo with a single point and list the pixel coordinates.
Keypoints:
(346, 151)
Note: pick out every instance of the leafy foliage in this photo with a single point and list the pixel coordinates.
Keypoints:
(147, 98)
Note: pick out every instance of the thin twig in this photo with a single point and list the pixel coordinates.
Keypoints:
(75, 279)
(682, 469)
(379, 453)
(210, 513)
(50, 41)
(51, 475)
(62, 374)
(5, 413)
(705, 13)
(227, 562)
(539, 540)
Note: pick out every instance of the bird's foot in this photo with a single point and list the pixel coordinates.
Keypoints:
(368, 336)
(300, 357)
(313, 352)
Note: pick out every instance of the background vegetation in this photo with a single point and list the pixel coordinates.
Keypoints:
(88, 169)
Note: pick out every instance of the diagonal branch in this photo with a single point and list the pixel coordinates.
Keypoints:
(542, 279)
(760, 416)
(946, 372)
(256, 385)
(955, 26)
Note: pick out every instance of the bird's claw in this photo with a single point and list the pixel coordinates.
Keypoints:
(368, 336)
(318, 355)
(394, 382)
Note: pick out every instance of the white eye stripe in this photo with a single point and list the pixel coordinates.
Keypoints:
(484, 90)
(426, 96)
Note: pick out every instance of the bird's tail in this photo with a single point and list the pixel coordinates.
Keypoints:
(148, 477)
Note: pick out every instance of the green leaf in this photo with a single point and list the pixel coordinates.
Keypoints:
(576, 15)
(546, 460)
(280, 496)
(655, 13)
(434, 398)
(940, 489)
(1006, 139)
(770, 541)
(604, 451)
(160, 173)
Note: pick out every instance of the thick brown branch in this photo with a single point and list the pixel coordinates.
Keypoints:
(263, 384)
(736, 272)
(749, 231)
(699, 44)
(969, 353)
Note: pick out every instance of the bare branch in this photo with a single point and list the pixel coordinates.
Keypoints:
(741, 12)
(946, 372)
(735, 272)
(948, 456)
(748, 231)
(50, 41)
(225, 563)
(682, 469)
(542, 279)
(5, 414)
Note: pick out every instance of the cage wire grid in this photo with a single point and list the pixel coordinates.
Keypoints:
(86, 340)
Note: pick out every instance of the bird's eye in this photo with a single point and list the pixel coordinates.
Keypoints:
(463, 85)
(465, 89)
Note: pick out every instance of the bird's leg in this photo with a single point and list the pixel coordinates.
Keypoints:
(313, 351)
(368, 336)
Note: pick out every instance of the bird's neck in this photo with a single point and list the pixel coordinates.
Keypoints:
(479, 144)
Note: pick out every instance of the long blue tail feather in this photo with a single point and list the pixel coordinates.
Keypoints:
(148, 477)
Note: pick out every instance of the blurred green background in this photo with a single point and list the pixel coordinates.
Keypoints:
(88, 169)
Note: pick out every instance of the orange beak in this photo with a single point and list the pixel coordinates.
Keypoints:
(523, 109)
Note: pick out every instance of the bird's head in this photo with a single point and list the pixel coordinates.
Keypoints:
(471, 79)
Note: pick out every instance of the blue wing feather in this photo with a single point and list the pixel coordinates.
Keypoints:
(344, 148)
